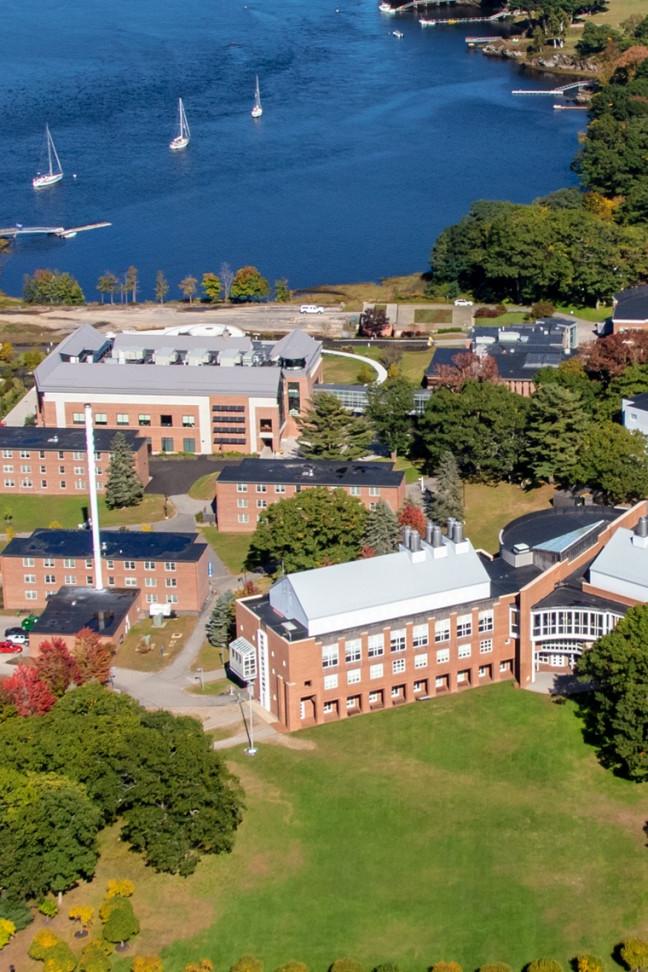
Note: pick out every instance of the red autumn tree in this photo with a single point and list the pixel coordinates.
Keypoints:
(611, 355)
(466, 366)
(56, 666)
(93, 657)
(412, 516)
(26, 690)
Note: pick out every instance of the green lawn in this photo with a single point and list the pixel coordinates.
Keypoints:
(28, 512)
(232, 548)
(593, 314)
(204, 488)
(489, 508)
(510, 317)
(147, 648)
(426, 315)
(475, 828)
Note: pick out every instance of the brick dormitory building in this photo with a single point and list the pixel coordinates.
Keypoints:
(244, 489)
(438, 616)
(185, 393)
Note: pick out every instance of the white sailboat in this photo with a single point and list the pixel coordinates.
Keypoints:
(182, 138)
(257, 110)
(54, 169)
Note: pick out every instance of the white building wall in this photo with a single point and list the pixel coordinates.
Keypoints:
(633, 417)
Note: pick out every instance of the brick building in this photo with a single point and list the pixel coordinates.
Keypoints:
(630, 310)
(109, 613)
(167, 568)
(185, 393)
(439, 617)
(53, 461)
(245, 489)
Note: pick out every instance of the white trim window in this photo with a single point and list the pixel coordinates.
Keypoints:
(330, 656)
(330, 682)
(486, 621)
(376, 671)
(486, 646)
(398, 666)
(328, 708)
(375, 698)
(464, 651)
(397, 639)
(353, 651)
(353, 676)
(443, 656)
(421, 661)
(376, 645)
(420, 635)
(442, 630)
(464, 626)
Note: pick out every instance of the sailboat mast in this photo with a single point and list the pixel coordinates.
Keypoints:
(48, 138)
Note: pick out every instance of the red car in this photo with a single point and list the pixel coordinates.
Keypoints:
(8, 648)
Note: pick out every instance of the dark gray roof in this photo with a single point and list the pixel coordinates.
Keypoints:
(116, 545)
(570, 594)
(74, 608)
(52, 439)
(506, 579)
(312, 472)
(639, 401)
(538, 529)
(632, 304)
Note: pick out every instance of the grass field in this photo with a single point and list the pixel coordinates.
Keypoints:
(427, 315)
(344, 371)
(204, 488)
(489, 508)
(163, 644)
(232, 548)
(28, 512)
(405, 288)
(510, 317)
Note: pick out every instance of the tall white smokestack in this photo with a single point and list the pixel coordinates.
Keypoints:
(94, 506)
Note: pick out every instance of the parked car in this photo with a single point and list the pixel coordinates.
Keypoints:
(9, 648)
(28, 623)
(462, 302)
(311, 309)
(16, 636)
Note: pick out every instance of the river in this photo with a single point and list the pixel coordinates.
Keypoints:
(368, 146)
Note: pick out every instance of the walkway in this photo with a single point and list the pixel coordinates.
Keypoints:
(377, 367)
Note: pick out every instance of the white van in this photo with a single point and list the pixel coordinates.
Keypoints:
(311, 309)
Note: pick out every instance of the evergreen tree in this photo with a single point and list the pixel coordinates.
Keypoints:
(161, 286)
(446, 499)
(390, 411)
(219, 627)
(123, 487)
(556, 426)
(381, 531)
(328, 431)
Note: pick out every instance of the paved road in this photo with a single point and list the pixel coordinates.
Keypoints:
(174, 476)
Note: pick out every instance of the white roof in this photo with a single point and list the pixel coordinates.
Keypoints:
(622, 566)
(376, 589)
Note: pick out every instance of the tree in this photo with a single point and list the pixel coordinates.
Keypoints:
(316, 527)
(7, 931)
(446, 967)
(544, 965)
(614, 462)
(382, 532)
(120, 924)
(413, 516)
(390, 411)
(94, 957)
(226, 275)
(188, 286)
(588, 963)
(56, 666)
(204, 965)
(615, 711)
(84, 915)
(610, 356)
(634, 952)
(131, 279)
(108, 284)
(92, 657)
(282, 291)
(147, 963)
(556, 426)
(123, 486)
(48, 833)
(374, 323)
(248, 284)
(42, 943)
(161, 286)
(120, 888)
(466, 366)
(219, 626)
(27, 692)
(51, 287)
(211, 287)
(328, 431)
(247, 963)
(446, 497)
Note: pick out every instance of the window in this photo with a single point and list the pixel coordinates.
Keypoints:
(261, 488)
(122, 418)
(70, 579)
(486, 622)
(110, 564)
(8, 468)
(79, 484)
(463, 651)
(61, 470)
(241, 487)
(25, 469)
(376, 645)
(188, 422)
(243, 518)
(143, 420)
(150, 582)
(441, 682)
(353, 702)
(397, 639)
(62, 484)
(149, 565)
(42, 469)
(75, 455)
(484, 671)
(464, 626)
(398, 666)
(43, 483)
(506, 666)
(166, 421)
(355, 491)
(485, 646)
(9, 483)
(442, 630)
(24, 454)
(170, 566)
(50, 578)
(328, 708)
(172, 598)
(69, 562)
(443, 656)
(353, 651)
(168, 582)
(419, 686)
(78, 470)
(26, 483)
(150, 598)
(397, 692)
(375, 671)
(353, 676)
(330, 656)
(189, 445)
(7, 454)
(420, 635)
(111, 581)
(31, 595)
(130, 581)
(100, 418)
(88, 562)
(463, 678)
(330, 682)
(421, 661)
(78, 418)
(28, 561)
(261, 504)
(89, 580)
(29, 578)
(375, 698)
(241, 503)
(48, 562)
(514, 622)
(167, 444)
(280, 489)
(374, 491)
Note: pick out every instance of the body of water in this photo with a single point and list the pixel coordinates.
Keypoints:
(369, 145)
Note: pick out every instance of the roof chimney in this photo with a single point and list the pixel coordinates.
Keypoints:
(640, 535)
(458, 532)
(436, 536)
(429, 527)
(407, 533)
(450, 526)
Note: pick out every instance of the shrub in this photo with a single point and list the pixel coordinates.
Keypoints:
(48, 907)
(544, 965)
(42, 944)
(634, 953)
(346, 965)
(247, 963)
(486, 312)
(16, 912)
(446, 967)
(94, 957)
(121, 924)
(7, 931)
(146, 963)
(542, 308)
(203, 966)
(83, 914)
(61, 958)
(588, 963)
(387, 967)
(119, 888)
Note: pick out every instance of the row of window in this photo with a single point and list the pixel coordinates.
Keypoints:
(228, 408)
(29, 484)
(398, 641)
(71, 580)
(76, 470)
(398, 665)
(70, 562)
(150, 598)
(42, 454)
(143, 419)
(572, 622)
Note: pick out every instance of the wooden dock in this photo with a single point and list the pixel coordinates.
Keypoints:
(62, 232)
